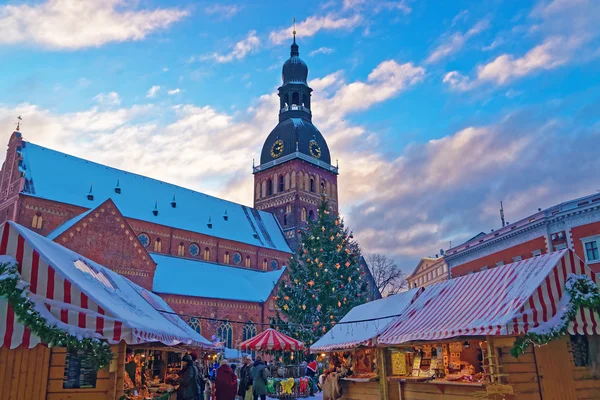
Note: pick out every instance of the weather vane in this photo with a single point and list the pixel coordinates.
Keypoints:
(19, 123)
(294, 28)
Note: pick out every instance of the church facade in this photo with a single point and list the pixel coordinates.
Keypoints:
(204, 255)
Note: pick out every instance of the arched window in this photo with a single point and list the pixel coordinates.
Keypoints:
(206, 254)
(281, 183)
(286, 100)
(247, 262)
(305, 101)
(181, 249)
(225, 333)
(37, 221)
(257, 194)
(288, 209)
(269, 187)
(285, 220)
(248, 333)
(322, 186)
(265, 262)
(303, 214)
(226, 258)
(295, 98)
(312, 184)
(300, 180)
(194, 323)
(311, 215)
(287, 181)
(157, 245)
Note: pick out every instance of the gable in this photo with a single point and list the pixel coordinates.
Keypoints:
(103, 235)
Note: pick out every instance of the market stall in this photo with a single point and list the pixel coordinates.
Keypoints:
(273, 342)
(471, 337)
(66, 322)
(351, 345)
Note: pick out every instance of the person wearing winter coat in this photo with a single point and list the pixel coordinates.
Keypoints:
(245, 378)
(188, 381)
(226, 382)
(259, 379)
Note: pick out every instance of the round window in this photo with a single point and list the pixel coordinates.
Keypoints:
(144, 239)
(237, 258)
(194, 249)
(274, 265)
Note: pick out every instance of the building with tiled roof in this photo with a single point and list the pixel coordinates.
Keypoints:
(205, 256)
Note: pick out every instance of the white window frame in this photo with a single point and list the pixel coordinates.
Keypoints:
(517, 258)
(590, 239)
(536, 253)
(499, 263)
(561, 246)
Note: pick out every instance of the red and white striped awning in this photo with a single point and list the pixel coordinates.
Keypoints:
(84, 298)
(270, 339)
(508, 300)
(374, 317)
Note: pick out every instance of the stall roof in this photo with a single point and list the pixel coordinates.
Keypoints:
(346, 336)
(84, 298)
(175, 275)
(525, 296)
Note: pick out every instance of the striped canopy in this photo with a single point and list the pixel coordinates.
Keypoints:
(517, 298)
(271, 339)
(83, 298)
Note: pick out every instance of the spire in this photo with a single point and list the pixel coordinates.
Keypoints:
(155, 211)
(294, 48)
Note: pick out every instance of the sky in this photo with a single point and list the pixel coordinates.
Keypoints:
(436, 111)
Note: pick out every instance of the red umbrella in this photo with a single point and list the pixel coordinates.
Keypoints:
(271, 339)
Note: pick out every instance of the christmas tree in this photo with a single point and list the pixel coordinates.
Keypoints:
(325, 279)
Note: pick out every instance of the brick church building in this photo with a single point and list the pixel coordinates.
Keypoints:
(204, 255)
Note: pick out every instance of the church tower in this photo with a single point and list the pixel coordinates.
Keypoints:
(295, 165)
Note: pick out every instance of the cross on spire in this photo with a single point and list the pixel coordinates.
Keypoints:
(19, 122)
(294, 31)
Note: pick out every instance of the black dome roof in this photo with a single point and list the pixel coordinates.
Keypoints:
(294, 69)
(291, 131)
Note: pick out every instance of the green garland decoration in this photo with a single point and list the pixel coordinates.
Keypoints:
(583, 293)
(15, 290)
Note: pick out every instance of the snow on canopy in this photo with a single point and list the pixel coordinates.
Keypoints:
(84, 298)
(61, 177)
(351, 335)
(176, 275)
(521, 297)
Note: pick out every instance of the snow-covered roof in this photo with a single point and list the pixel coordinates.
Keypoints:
(182, 276)
(516, 298)
(61, 177)
(86, 296)
(346, 336)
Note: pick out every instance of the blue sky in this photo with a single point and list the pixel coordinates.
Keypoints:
(437, 110)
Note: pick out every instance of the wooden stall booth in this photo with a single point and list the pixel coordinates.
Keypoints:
(471, 337)
(352, 345)
(52, 295)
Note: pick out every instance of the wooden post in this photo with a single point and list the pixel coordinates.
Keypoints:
(383, 383)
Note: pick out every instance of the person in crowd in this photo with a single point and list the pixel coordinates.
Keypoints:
(311, 372)
(259, 379)
(199, 374)
(245, 388)
(226, 382)
(189, 388)
(208, 388)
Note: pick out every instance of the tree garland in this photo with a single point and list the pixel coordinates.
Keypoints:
(16, 291)
(583, 293)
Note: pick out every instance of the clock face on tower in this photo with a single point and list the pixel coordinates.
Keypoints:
(277, 149)
(314, 149)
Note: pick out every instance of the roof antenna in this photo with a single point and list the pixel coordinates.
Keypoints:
(19, 123)
(502, 214)
(294, 31)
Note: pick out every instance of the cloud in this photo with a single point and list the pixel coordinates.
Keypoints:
(453, 43)
(108, 99)
(314, 24)
(223, 11)
(152, 92)
(174, 91)
(554, 52)
(83, 82)
(377, 6)
(321, 50)
(77, 24)
(240, 50)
